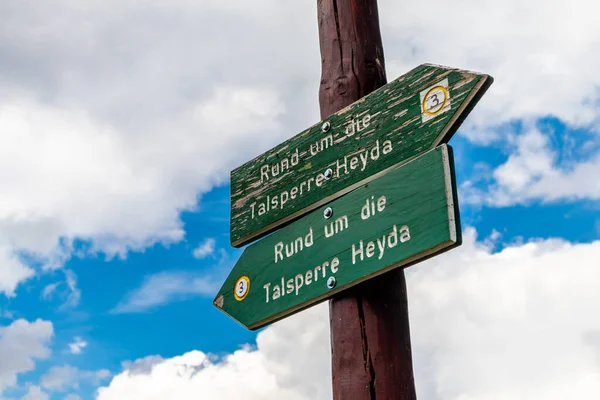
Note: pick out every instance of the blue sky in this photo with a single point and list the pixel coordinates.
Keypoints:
(120, 123)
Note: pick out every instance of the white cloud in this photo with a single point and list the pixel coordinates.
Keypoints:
(49, 290)
(130, 180)
(72, 396)
(60, 378)
(539, 70)
(12, 270)
(166, 287)
(507, 325)
(74, 294)
(531, 172)
(142, 365)
(35, 393)
(117, 167)
(21, 343)
(205, 249)
(110, 144)
(67, 377)
(258, 374)
(77, 346)
(67, 291)
(517, 324)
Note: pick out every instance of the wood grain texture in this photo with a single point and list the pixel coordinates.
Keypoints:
(378, 131)
(351, 69)
(399, 219)
(353, 346)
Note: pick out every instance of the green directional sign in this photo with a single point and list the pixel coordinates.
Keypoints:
(400, 218)
(399, 121)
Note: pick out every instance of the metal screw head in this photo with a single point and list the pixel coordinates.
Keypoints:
(328, 213)
(328, 174)
(326, 126)
(331, 282)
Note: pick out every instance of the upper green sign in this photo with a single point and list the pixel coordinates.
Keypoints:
(404, 216)
(401, 120)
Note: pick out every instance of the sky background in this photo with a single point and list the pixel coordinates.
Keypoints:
(121, 120)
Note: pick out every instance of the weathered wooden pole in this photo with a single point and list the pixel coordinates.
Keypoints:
(370, 336)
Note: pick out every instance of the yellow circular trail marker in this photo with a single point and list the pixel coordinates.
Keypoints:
(241, 288)
(435, 100)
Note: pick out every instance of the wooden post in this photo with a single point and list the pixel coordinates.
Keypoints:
(370, 336)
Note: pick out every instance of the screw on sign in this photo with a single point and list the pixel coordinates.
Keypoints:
(359, 152)
(387, 146)
(331, 282)
(396, 220)
(407, 117)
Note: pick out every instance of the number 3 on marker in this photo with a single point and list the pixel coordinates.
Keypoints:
(435, 100)
(241, 288)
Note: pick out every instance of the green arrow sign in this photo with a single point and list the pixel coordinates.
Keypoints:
(403, 217)
(401, 120)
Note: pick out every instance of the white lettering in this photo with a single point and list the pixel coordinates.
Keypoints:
(404, 233)
(269, 171)
(266, 287)
(386, 241)
(294, 285)
(294, 247)
(335, 264)
(278, 251)
(299, 282)
(363, 159)
(381, 246)
(308, 277)
(357, 252)
(370, 249)
(340, 166)
(264, 173)
(337, 226)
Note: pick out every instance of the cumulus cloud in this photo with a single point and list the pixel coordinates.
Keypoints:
(114, 118)
(21, 344)
(128, 181)
(134, 111)
(261, 373)
(507, 325)
(113, 135)
(532, 172)
(205, 249)
(515, 324)
(35, 393)
(60, 378)
(539, 70)
(66, 377)
(12, 270)
(77, 346)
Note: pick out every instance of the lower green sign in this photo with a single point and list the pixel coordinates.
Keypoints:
(403, 217)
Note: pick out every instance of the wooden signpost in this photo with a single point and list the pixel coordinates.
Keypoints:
(401, 218)
(395, 123)
(366, 192)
